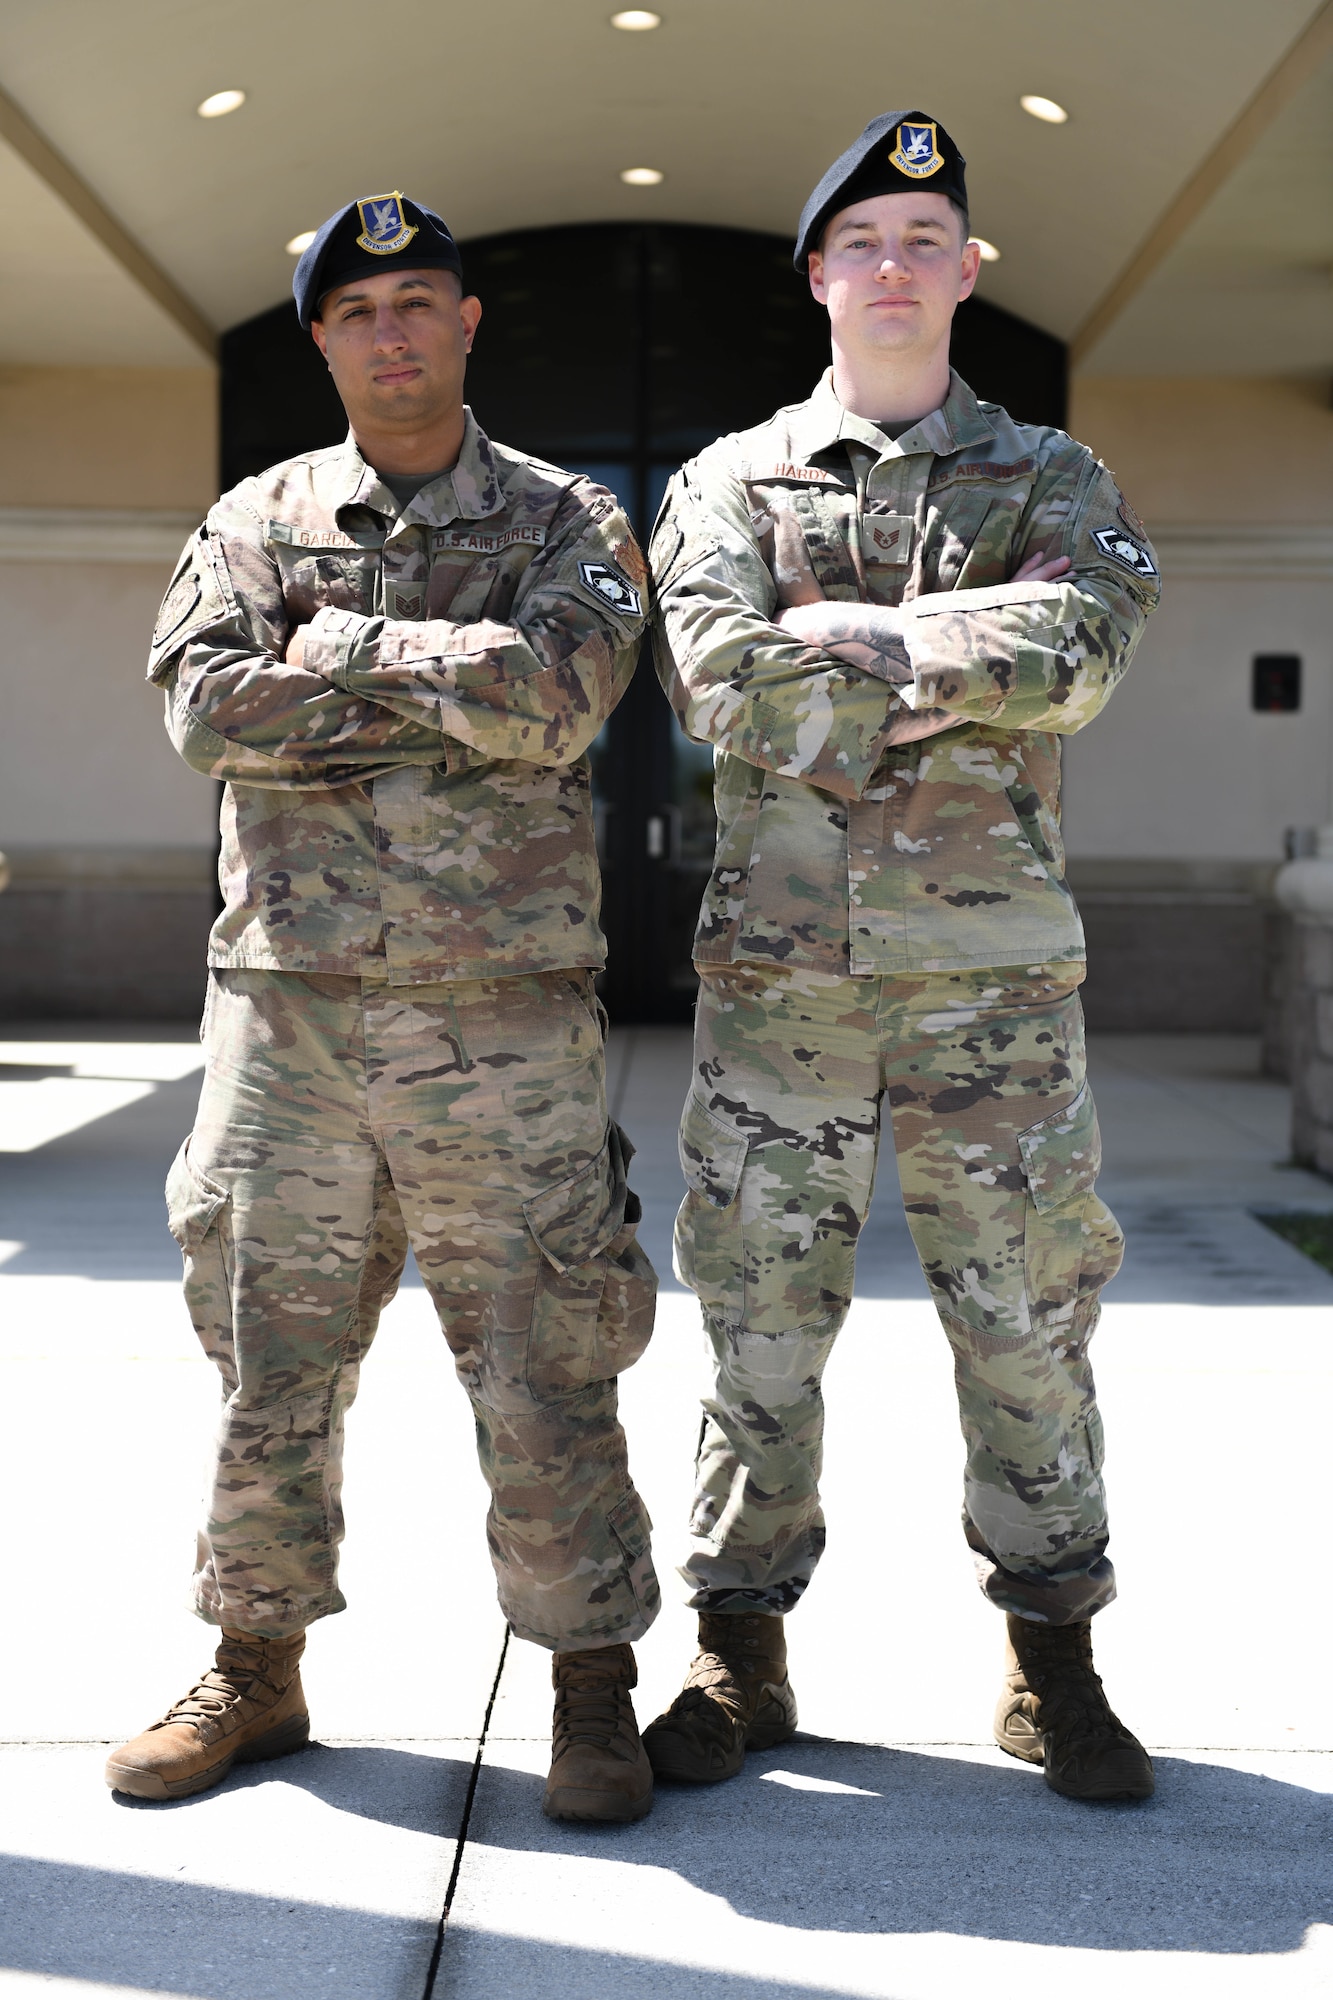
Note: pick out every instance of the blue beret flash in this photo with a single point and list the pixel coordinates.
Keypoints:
(898, 151)
(380, 232)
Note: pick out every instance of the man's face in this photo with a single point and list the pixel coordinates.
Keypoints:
(397, 344)
(891, 271)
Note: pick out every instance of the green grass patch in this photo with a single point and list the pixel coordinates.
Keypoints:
(1311, 1234)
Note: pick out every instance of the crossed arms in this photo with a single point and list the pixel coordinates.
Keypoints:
(756, 661)
(349, 697)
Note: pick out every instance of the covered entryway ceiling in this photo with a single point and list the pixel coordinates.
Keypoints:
(521, 113)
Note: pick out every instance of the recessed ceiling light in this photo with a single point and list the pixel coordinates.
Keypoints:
(1046, 109)
(220, 103)
(635, 19)
(642, 177)
(300, 244)
(989, 254)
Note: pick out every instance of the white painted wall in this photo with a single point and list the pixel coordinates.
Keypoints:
(1178, 766)
(84, 758)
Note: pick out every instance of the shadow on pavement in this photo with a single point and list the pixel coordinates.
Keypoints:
(1219, 1861)
(135, 1931)
(420, 1791)
(1178, 1254)
(91, 1204)
(137, 1926)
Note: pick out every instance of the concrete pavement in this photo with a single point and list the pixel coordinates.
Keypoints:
(887, 1851)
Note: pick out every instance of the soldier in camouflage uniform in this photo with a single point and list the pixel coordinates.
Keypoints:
(884, 608)
(395, 653)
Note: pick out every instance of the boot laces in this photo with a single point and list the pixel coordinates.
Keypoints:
(589, 1707)
(1070, 1698)
(214, 1695)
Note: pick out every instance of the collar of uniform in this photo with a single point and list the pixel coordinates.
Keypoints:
(958, 422)
(470, 490)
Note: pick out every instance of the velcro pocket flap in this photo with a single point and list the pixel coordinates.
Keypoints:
(1063, 1155)
(631, 1525)
(576, 1220)
(193, 1201)
(712, 1156)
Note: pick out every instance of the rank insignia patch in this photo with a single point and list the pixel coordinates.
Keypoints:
(916, 152)
(384, 227)
(1122, 548)
(608, 582)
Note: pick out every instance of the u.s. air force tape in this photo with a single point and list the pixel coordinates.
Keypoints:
(614, 586)
(1122, 548)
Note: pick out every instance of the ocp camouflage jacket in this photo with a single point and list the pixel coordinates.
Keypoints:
(413, 798)
(840, 845)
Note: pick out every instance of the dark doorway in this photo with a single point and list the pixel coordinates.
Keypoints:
(621, 351)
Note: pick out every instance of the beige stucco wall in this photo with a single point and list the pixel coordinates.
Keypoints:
(1214, 449)
(103, 473)
(108, 437)
(83, 757)
(1179, 766)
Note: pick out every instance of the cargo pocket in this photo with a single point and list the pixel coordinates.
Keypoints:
(198, 1216)
(592, 1309)
(629, 1523)
(193, 1202)
(710, 1255)
(1062, 1157)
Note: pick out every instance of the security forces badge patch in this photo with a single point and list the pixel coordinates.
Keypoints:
(384, 227)
(608, 582)
(1122, 548)
(917, 152)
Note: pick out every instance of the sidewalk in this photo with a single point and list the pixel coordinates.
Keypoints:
(888, 1852)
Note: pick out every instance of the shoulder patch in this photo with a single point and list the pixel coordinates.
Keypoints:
(177, 605)
(1122, 548)
(614, 586)
(1130, 518)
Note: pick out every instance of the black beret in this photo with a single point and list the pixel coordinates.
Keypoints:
(381, 232)
(898, 151)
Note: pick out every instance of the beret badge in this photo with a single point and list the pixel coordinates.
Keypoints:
(384, 227)
(917, 151)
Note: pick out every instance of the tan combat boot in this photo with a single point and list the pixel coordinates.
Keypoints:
(1053, 1712)
(598, 1769)
(736, 1698)
(249, 1706)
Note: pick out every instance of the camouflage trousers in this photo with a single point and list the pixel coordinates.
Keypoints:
(998, 1150)
(342, 1120)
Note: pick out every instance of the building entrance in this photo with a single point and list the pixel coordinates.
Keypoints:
(620, 352)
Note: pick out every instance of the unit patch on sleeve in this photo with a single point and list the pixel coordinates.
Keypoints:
(616, 588)
(1130, 518)
(177, 605)
(1121, 548)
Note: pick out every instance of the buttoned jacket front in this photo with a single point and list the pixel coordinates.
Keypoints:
(865, 827)
(413, 797)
